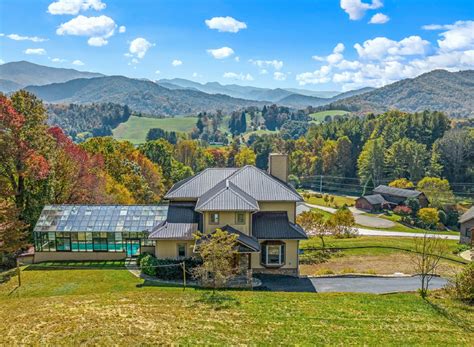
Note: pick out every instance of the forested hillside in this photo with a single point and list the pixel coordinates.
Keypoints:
(438, 90)
(139, 95)
(80, 121)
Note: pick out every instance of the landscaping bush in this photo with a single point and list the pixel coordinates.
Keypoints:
(141, 256)
(147, 264)
(443, 217)
(314, 257)
(461, 247)
(461, 287)
(175, 272)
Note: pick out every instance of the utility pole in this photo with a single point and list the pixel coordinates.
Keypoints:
(18, 272)
(184, 275)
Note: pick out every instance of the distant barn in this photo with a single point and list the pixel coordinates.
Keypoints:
(385, 197)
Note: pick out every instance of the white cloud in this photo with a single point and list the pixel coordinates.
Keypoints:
(139, 47)
(263, 72)
(96, 28)
(73, 7)
(176, 62)
(279, 76)
(316, 77)
(458, 36)
(221, 53)
(17, 37)
(225, 24)
(122, 29)
(35, 51)
(2, 61)
(240, 76)
(78, 63)
(381, 47)
(58, 60)
(356, 8)
(97, 41)
(275, 64)
(379, 18)
(157, 72)
(237, 59)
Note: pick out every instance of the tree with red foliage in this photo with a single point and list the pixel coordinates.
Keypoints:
(24, 166)
(77, 175)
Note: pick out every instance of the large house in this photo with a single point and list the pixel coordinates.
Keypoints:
(385, 197)
(259, 207)
(467, 226)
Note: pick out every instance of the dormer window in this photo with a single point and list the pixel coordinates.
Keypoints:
(214, 218)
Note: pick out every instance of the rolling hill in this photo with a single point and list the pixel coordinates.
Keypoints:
(140, 95)
(439, 90)
(20, 74)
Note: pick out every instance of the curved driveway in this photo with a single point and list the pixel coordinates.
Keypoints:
(362, 284)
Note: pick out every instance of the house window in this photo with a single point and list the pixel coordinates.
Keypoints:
(181, 250)
(214, 219)
(240, 218)
(273, 254)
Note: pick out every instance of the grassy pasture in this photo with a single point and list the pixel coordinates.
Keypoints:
(318, 117)
(136, 128)
(112, 307)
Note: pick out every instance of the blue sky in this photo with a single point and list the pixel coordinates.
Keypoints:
(312, 44)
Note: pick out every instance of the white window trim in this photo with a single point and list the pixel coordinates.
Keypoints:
(185, 250)
(279, 256)
(218, 218)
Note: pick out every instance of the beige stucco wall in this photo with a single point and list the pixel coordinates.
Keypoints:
(291, 257)
(78, 256)
(289, 207)
(227, 218)
(168, 249)
(278, 166)
(464, 228)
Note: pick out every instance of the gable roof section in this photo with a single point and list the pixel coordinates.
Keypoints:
(226, 196)
(262, 186)
(254, 182)
(182, 212)
(275, 226)
(467, 216)
(249, 242)
(375, 199)
(195, 186)
(174, 231)
(398, 192)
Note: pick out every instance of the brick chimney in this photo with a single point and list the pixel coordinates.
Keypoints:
(278, 166)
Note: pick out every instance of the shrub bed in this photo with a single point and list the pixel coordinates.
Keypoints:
(167, 269)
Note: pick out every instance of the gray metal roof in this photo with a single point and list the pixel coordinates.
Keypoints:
(399, 192)
(100, 218)
(275, 226)
(467, 216)
(375, 199)
(226, 196)
(255, 182)
(174, 231)
(182, 212)
(250, 242)
(197, 185)
(262, 186)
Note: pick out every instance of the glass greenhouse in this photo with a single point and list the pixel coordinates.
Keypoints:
(97, 228)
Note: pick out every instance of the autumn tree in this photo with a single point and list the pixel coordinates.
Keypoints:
(343, 223)
(437, 190)
(13, 232)
(401, 183)
(315, 225)
(429, 216)
(370, 164)
(24, 145)
(246, 156)
(217, 251)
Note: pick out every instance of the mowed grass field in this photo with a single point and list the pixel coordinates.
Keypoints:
(136, 128)
(374, 255)
(112, 307)
(319, 116)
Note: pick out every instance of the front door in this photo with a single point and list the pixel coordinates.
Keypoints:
(132, 247)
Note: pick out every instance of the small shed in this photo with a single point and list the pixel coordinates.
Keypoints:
(467, 226)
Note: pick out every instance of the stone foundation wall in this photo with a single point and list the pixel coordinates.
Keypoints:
(277, 271)
(78, 256)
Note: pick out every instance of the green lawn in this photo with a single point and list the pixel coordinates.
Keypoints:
(136, 128)
(338, 202)
(111, 307)
(318, 117)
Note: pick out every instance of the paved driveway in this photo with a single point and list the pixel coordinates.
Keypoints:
(377, 285)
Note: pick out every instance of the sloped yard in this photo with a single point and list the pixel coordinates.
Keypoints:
(105, 307)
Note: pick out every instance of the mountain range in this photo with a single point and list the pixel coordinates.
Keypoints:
(450, 92)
